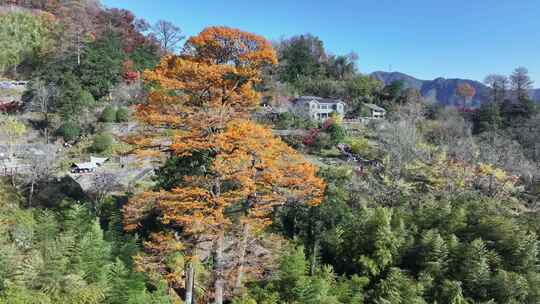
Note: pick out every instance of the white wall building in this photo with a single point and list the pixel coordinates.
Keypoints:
(318, 108)
(375, 112)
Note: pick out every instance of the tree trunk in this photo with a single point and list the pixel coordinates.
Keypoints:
(218, 269)
(190, 280)
(31, 194)
(313, 266)
(490, 189)
(190, 277)
(78, 49)
(242, 259)
(13, 172)
(46, 128)
(313, 236)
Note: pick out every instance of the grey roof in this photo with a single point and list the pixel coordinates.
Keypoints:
(318, 99)
(374, 107)
(92, 164)
(88, 165)
(98, 160)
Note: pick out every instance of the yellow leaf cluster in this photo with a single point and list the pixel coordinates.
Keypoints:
(442, 174)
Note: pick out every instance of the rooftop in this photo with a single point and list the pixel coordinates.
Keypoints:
(374, 107)
(88, 165)
(319, 99)
(98, 160)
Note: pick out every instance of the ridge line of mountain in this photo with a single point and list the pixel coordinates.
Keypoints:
(442, 90)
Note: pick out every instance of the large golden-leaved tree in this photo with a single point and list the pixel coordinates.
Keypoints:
(199, 109)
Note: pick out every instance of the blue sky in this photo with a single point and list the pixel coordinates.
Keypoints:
(423, 38)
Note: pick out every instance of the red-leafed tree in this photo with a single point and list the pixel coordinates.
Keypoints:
(128, 71)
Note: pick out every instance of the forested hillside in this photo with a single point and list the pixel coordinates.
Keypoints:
(138, 165)
(444, 90)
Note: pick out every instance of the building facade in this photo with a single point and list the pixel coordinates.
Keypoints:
(318, 108)
(374, 111)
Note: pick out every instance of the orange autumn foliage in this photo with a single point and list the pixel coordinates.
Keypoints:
(466, 91)
(200, 103)
(198, 92)
(253, 164)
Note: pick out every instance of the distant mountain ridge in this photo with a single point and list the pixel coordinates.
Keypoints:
(441, 90)
(535, 95)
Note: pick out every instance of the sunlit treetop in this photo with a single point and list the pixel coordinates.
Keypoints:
(216, 70)
(210, 83)
(223, 45)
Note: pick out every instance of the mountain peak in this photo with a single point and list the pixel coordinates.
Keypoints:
(441, 89)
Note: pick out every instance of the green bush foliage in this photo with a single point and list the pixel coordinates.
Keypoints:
(65, 256)
(145, 56)
(122, 114)
(101, 67)
(73, 98)
(102, 143)
(288, 120)
(22, 36)
(69, 131)
(337, 133)
(294, 141)
(323, 140)
(462, 249)
(109, 114)
(360, 146)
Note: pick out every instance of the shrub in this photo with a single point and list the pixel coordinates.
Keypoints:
(360, 146)
(102, 143)
(323, 140)
(309, 139)
(328, 135)
(69, 131)
(293, 141)
(122, 115)
(109, 114)
(288, 120)
(337, 133)
(336, 117)
(333, 127)
(364, 111)
(307, 123)
(284, 120)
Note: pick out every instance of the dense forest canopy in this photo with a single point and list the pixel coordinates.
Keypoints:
(206, 184)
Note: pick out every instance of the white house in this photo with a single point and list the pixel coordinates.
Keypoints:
(90, 166)
(83, 167)
(317, 107)
(375, 112)
(98, 160)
